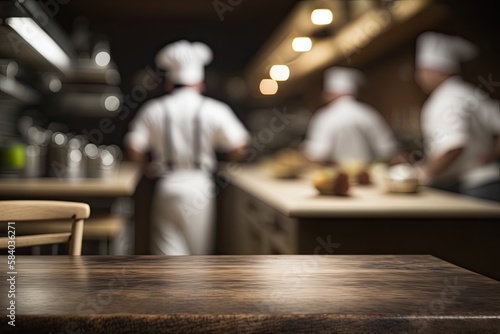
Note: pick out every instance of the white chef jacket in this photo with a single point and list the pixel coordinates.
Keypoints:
(457, 115)
(347, 130)
(184, 204)
(219, 128)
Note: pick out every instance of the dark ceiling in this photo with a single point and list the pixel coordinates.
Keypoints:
(138, 29)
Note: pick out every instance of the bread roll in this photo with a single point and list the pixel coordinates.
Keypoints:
(332, 182)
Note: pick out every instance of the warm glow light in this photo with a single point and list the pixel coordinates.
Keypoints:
(279, 72)
(102, 58)
(321, 16)
(268, 87)
(301, 44)
(40, 41)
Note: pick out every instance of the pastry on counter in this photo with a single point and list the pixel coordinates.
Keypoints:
(331, 181)
(402, 178)
(357, 171)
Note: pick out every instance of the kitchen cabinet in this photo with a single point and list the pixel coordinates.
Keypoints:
(262, 215)
(262, 229)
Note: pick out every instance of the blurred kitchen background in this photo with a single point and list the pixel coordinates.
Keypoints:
(73, 73)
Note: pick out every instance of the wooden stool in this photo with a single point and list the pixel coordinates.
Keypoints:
(100, 227)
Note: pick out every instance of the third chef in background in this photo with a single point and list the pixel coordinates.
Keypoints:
(460, 123)
(347, 131)
(182, 129)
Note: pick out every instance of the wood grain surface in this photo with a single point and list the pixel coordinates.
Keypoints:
(251, 294)
(42, 210)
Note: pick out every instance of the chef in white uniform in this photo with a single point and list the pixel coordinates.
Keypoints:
(182, 129)
(460, 123)
(346, 130)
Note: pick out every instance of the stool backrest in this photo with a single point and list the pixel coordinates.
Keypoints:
(17, 212)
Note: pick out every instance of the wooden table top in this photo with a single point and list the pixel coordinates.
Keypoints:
(298, 198)
(247, 294)
(122, 184)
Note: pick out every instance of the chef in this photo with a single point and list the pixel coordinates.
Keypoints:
(345, 130)
(182, 129)
(460, 123)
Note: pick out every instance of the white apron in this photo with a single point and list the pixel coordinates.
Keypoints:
(183, 205)
(183, 214)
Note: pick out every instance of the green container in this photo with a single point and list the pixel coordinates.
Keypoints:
(13, 156)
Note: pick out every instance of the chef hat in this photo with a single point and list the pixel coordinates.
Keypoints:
(342, 80)
(184, 61)
(442, 52)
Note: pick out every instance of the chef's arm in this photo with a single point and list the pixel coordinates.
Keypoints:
(494, 155)
(138, 157)
(400, 158)
(435, 166)
(496, 151)
(238, 154)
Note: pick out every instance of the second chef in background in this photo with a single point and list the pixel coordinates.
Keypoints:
(345, 130)
(182, 129)
(460, 123)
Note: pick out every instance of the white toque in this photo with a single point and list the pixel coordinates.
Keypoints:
(184, 61)
(342, 80)
(437, 51)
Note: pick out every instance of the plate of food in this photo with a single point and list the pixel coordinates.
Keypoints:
(402, 178)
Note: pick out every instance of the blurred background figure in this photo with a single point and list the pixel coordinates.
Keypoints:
(346, 131)
(460, 123)
(182, 129)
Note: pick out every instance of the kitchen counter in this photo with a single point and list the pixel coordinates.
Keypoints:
(104, 225)
(259, 214)
(122, 184)
(299, 198)
(249, 294)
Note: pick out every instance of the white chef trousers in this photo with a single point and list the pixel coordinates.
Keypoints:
(183, 213)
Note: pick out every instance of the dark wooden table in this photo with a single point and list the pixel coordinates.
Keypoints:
(249, 294)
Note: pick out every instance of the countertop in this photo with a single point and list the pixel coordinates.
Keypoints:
(122, 184)
(298, 198)
(250, 294)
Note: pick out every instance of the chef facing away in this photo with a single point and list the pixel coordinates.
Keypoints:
(460, 123)
(182, 130)
(346, 130)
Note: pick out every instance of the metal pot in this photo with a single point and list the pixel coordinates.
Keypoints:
(103, 161)
(66, 158)
(36, 159)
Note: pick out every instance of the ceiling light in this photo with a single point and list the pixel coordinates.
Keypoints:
(301, 44)
(268, 87)
(279, 72)
(40, 41)
(322, 16)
